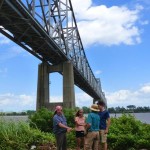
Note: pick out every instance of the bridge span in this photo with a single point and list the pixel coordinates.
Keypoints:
(48, 30)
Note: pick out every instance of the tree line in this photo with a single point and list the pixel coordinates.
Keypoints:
(24, 113)
(128, 109)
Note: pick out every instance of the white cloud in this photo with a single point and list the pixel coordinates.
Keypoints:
(98, 72)
(3, 39)
(56, 99)
(107, 26)
(145, 88)
(104, 25)
(12, 102)
(11, 52)
(140, 97)
(146, 22)
(83, 99)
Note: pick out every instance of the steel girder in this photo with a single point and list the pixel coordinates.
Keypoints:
(52, 21)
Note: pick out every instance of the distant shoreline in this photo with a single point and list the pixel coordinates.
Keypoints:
(143, 116)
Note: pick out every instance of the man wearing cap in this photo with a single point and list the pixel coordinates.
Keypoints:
(104, 124)
(93, 123)
(60, 128)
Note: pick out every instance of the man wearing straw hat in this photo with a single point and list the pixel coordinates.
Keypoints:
(93, 123)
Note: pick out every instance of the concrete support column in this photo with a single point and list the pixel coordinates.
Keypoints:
(43, 86)
(68, 86)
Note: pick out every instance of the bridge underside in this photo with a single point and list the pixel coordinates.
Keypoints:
(18, 24)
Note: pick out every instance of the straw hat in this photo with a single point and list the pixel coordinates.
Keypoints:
(94, 107)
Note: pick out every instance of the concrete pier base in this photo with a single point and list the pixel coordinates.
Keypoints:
(66, 69)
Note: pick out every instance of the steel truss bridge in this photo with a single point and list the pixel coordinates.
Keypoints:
(48, 30)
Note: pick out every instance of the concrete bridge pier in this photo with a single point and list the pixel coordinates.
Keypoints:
(68, 85)
(43, 86)
(66, 69)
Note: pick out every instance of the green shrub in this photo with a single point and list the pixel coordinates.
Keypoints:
(42, 119)
(70, 115)
(128, 133)
(71, 139)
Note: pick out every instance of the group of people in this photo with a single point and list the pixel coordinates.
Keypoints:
(91, 132)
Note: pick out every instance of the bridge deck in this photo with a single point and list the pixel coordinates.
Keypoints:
(28, 33)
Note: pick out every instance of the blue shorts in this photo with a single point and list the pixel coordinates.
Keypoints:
(79, 134)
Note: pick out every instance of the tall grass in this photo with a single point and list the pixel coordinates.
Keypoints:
(19, 136)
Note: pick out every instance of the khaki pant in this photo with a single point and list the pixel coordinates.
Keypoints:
(103, 136)
(91, 141)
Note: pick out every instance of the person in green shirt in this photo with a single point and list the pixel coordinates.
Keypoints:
(93, 124)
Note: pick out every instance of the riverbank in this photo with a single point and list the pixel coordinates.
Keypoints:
(143, 117)
(125, 131)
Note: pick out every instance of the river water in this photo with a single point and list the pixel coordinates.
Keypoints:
(143, 117)
(15, 118)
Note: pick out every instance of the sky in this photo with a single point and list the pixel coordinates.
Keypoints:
(116, 39)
